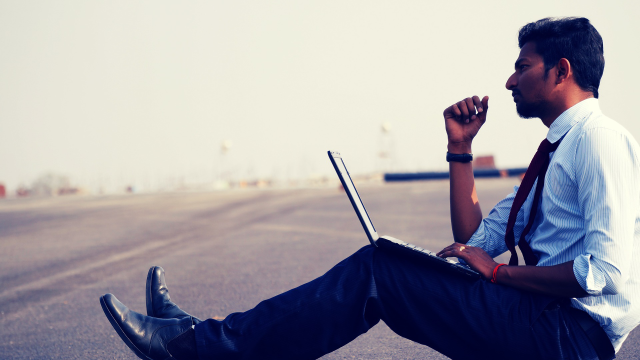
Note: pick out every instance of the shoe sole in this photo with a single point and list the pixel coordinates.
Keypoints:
(149, 298)
(119, 331)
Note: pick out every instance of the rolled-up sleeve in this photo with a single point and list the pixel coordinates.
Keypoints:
(490, 234)
(608, 195)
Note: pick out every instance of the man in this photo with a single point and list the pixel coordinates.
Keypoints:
(575, 218)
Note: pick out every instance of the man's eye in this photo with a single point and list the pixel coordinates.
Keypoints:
(522, 67)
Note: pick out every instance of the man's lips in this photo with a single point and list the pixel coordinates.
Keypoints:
(516, 97)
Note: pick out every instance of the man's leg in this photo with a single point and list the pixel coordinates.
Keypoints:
(441, 309)
(473, 319)
(303, 323)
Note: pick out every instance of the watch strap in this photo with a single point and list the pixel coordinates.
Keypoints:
(463, 158)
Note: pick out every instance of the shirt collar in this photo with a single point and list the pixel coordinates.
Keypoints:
(573, 115)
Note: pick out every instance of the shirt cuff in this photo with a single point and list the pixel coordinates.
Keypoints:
(590, 277)
(477, 239)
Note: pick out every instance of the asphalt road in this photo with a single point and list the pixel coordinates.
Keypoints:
(222, 251)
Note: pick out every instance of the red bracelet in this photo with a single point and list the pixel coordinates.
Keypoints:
(495, 272)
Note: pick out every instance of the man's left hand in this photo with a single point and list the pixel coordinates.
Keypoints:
(475, 257)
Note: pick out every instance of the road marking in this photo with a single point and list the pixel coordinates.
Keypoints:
(48, 280)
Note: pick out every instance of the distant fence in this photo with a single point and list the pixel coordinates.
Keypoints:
(480, 173)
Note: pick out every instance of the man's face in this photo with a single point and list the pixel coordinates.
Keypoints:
(529, 87)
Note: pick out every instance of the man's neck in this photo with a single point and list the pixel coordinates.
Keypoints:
(563, 105)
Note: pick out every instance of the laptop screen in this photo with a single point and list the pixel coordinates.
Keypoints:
(347, 183)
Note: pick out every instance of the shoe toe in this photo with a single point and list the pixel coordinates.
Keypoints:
(146, 336)
(119, 317)
(114, 307)
(156, 291)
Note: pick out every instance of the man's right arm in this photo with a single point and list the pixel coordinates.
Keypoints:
(462, 121)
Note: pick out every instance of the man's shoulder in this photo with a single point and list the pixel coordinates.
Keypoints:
(599, 123)
(601, 134)
(599, 120)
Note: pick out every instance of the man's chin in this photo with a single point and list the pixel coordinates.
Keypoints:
(526, 111)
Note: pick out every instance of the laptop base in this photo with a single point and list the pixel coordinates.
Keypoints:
(399, 246)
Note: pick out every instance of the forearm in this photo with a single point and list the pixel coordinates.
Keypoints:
(466, 214)
(557, 281)
(462, 122)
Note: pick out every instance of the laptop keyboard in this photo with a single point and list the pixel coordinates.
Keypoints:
(431, 255)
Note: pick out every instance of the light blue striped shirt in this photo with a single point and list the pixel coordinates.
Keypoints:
(589, 213)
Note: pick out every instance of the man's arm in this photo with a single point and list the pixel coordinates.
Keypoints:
(466, 214)
(606, 175)
(558, 280)
(462, 121)
(606, 165)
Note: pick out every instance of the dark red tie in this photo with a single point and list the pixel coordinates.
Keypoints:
(537, 169)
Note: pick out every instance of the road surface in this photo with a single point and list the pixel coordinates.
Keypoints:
(222, 251)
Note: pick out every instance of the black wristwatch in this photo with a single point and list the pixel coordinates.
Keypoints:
(463, 158)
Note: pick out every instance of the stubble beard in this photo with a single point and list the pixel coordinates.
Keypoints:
(535, 108)
(528, 110)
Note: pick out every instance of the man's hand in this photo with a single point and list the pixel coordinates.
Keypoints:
(475, 257)
(463, 120)
(557, 280)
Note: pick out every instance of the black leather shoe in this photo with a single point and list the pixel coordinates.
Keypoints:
(146, 336)
(159, 303)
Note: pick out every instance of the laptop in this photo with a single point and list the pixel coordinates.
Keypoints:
(388, 242)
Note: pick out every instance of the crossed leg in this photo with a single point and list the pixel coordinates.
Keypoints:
(461, 318)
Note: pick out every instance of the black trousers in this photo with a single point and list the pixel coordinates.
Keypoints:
(461, 318)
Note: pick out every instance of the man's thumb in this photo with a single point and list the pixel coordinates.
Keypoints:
(485, 107)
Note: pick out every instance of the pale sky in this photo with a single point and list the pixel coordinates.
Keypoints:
(130, 92)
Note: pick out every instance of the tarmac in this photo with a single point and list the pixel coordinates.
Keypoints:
(222, 251)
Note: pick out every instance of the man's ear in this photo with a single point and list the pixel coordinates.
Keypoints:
(563, 71)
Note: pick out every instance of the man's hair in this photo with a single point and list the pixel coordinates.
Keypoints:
(574, 39)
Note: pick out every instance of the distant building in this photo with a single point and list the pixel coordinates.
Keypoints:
(68, 191)
(484, 162)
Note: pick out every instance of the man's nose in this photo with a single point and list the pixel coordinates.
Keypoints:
(511, 82)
